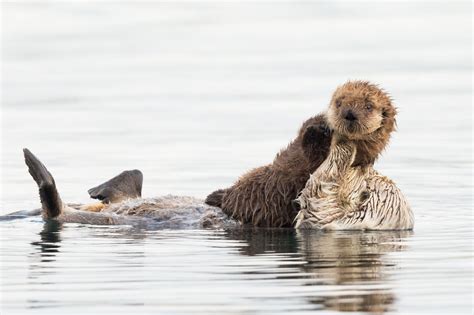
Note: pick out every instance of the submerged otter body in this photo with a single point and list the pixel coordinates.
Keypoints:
(160, 212)
(121, 203)
(173, 212)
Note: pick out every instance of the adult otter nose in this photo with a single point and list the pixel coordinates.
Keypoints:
(350, 116)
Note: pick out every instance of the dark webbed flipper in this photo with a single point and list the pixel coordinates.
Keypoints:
(126, 185)
(50, 200)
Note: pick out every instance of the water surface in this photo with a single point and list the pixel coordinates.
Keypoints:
(195, 94)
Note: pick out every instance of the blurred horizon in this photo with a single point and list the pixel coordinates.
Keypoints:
(94, 89)
(194, 95)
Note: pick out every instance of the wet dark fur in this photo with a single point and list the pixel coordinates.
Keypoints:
(49, 196)
(126, 185)
(263, 196)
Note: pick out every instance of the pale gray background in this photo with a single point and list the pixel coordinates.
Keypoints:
(195, 94)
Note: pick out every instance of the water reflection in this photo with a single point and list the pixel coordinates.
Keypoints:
(348, 270)
(355, 262)
(42, 258)
(49, 244)
(261, 241)
(338, 271)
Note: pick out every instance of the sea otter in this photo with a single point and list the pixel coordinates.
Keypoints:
(341, 194)
(121, 203)
(265, 195)
(262, 197)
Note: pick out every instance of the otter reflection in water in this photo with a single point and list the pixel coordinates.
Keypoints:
(50, 239)
(349, 271)
(340, 271)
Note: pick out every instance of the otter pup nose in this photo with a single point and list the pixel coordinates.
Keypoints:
(350, 116)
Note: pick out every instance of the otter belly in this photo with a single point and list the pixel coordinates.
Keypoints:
(160, 212)
(173, 212)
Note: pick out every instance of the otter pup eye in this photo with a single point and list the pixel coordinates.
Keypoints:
(369, 106)
(338, 103)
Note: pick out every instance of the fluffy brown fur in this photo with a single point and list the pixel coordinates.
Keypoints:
(372, 110)
(264, 196)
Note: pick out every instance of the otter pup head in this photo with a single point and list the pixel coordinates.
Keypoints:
(358, 109)
(362, 112)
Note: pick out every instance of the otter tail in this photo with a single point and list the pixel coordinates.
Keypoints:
(215, 199)
(51, 203)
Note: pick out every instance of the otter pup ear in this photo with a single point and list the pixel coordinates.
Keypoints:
(388, 113)
(126, 185)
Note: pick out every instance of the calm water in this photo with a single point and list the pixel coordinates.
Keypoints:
(196, 94)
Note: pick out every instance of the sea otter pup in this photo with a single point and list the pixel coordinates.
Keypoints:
(265, 195)
(341, 194)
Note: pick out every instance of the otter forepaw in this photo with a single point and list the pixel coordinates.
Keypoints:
(316, 135)
(316, 141)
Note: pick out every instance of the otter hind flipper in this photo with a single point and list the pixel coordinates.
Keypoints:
(51, 203)
(126, 185)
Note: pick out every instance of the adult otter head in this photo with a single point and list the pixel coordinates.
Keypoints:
(362, 112)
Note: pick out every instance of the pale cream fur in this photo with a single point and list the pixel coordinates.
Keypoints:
(341, 197)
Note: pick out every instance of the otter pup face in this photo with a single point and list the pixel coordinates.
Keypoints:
(358, 109)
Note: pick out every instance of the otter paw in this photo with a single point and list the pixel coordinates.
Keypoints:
(316, 135)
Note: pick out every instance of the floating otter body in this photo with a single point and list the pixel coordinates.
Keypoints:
(262, 197)
(121, 204)
(343, 194)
